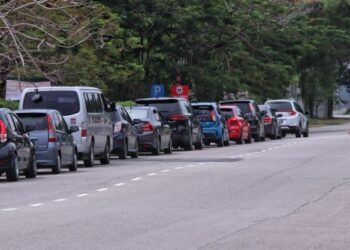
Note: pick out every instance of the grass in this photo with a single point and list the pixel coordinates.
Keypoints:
(319, 122)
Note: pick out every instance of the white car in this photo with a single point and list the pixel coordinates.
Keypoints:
(292, 117)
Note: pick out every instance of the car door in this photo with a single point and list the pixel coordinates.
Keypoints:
(303, 118)
(131, 129)
(22, 141)
(194, 120)
(61, 137)
(165, 130)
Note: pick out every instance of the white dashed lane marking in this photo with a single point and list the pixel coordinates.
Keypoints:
(178, 168)
(165, 171)
(9, 209)
(81, 195)
(102, 189)
(136, 179)
(119, 184)
(152, 174)
(190, 166)
(37, 205)
(59, 200)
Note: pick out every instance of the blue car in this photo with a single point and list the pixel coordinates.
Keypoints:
(212, 122)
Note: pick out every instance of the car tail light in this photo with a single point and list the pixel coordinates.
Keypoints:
(117, 127)
(251, 107)
(267, 119)
(52, 137)
(177, 117)
(212, 116)
(84, 129)
(292, 113)
(147, 127)
(3, 132)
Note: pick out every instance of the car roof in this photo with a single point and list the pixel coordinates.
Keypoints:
(43, 111)
(160, 99)
(238, 101)
(140, 107)
(56, 88)
(281, 100)
(204, 104)
(227, 107)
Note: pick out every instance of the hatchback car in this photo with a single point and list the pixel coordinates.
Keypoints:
(292, 117)
(185, 125)
(251, 112)
(125, 134)
(156, 136)
(53, 141)
(213, 123)
(273, 128)
(16, 150)
(238, 127)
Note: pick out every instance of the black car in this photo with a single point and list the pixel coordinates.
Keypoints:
(125, 134)
(16, 150)
(272, 125)
(156, 136)
(185, 125)
(251, 112)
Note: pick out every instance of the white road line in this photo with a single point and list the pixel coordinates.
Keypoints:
(257, 152)
(248, 154)
(178, 168)
(202, 163)
(119, 184)
(136, 179)
(263, 151)
(81, 195)
(165, 171)
(152, 174)
(240, 155)
(37, 205)
(233, 156)
(190, 166)
(59, 200)
(102, 189)
(270, 149)
(9, 209)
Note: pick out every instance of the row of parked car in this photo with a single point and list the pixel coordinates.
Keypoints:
(55, 127)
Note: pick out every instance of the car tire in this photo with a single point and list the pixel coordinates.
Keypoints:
(32, 168)
(57, 168)
(188, 145)
(240, 140)
(249, 139)
(199, 145)
(220, 142)
(274, 135)
(123, 154)
(156, 149)
(106, 156)
(91, 161)
(12, 174)
(207, 143)
(169, 150)
(298, 132)
(284, 134)
(136, 153)
(306, 133)
(74, 166)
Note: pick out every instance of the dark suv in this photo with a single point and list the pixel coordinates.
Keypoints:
(16, 149)
(251, 112)
(185, 125)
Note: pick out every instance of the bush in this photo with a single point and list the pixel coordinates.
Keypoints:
(126, 103)
(8, 104)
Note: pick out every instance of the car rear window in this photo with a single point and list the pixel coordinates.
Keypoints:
(67, 102)
(203, 112)
(115, 116)
(245, 107)
(165, 107)
(39, 120)
(226, 112)
(281, 106)
(138, 113)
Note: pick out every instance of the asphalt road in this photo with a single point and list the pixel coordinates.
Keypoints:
(283, 194)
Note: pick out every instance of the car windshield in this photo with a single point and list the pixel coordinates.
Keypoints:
(138, 113)
(245, 107)
(281, 106)
(204, 113)
(66, 102)
(39, 120)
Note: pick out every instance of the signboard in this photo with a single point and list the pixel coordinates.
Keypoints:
(179, 90)
(157, 90)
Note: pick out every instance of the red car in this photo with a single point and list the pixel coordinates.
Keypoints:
(238, 127)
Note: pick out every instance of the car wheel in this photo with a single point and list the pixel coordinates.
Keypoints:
(284, 134)
(249, 139)
(91, 161)
(169, 150)
(32, 168)
(124, 152)
(199, 145)
(240, 140)
(207, 143)
(156, 149)
(136, 153)
(74, 166)
(306, 133)
(13, 173)
(298, 132)
(57, 168)
(220, 142)
(106, 156)
(188, 145)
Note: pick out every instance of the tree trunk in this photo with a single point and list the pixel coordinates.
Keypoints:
(330, 107)
(3, 78)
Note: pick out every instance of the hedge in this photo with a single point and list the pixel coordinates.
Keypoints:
(8, 104)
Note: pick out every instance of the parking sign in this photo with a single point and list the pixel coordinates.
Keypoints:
(157, 90)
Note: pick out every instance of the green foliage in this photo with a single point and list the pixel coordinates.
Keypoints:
(128, 103)
(8, 104)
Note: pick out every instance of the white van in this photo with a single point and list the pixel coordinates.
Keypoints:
(84, 107)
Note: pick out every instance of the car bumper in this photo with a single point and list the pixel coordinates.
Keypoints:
(211, 134)
(46, 158)
(147, 141)
(118, 142)
(5, 158)
(269, 129)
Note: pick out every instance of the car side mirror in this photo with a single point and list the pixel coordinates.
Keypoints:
(136, 121)
(29, 128)
(279, 115)
(112, 106)
(73, 129)
(307, 113)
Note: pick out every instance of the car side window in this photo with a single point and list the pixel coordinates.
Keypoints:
(161, 118)
(238, 112)
(98, 101)
(187, 107)
(298, 108)
(18, 124)
(58, 124)
(92, 102)
(104, 102)
(126, 115)
(272, 112)
(156, 115)
(10, 122)
(62, 122)
(87, 102)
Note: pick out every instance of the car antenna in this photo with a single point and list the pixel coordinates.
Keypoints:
(37, 97)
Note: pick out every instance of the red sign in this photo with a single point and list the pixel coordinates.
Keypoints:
(179, 90)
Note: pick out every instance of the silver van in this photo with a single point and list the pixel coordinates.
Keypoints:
(85, 107)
